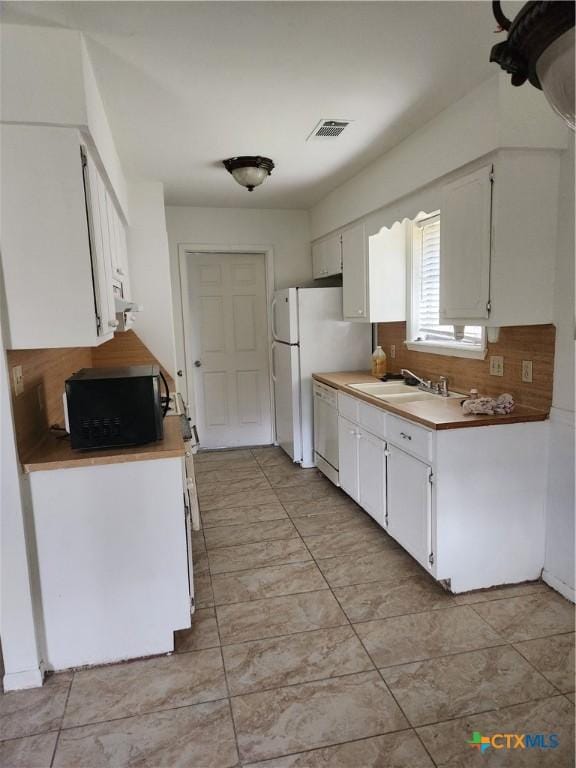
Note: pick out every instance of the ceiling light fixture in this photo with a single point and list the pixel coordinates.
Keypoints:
(540, 49)
(249, 171)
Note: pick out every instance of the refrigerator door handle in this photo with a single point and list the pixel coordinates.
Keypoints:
(273, 310)
(273, 361)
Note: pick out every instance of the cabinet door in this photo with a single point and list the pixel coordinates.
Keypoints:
(354, 274)
(348, 439)
(372, 476)
(318, 260)
(465, 243)
(333, 255)
(410, 504)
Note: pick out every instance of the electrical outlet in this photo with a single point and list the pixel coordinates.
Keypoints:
(392, 351)
(527, 371)
(18, 379)
(496, 365)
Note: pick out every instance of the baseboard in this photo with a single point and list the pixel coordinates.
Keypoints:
(29, 678)
(560, 586)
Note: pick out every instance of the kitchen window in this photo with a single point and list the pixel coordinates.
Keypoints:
(425, 332)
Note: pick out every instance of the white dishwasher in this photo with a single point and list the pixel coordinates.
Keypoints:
(326, 431)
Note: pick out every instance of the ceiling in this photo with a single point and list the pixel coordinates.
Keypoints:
(187, 84)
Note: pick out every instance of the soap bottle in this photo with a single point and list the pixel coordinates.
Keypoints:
(379, 363)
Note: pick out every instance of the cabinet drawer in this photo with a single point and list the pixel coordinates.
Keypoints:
(372, 419)
(348, 407)
(410, 437)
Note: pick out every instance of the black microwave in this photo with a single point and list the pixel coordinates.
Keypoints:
(114, 407)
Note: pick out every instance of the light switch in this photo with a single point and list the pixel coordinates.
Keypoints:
(527, 371)
(18, 380)
(496, 365)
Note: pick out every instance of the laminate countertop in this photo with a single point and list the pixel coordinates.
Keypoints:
(437, 413)
(56, 453)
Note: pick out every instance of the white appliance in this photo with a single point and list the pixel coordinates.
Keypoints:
(326, 431)
(310, 336)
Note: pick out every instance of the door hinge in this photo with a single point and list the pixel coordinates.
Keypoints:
(192, 604)
(98, 322)
(488, 306)
(431, 558)
(83, 157)
(491, 176)
(431, 478)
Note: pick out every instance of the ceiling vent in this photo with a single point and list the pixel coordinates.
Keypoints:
(328, 129)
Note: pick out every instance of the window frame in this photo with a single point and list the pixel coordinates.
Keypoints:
(435, 346)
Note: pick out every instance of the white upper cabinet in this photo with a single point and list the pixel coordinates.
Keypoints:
(498, 241)
(465, 246)
(354, 274)
(327, 257)
(57, 249)
(374, 274)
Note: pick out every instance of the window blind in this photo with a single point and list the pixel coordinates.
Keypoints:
(429, 328)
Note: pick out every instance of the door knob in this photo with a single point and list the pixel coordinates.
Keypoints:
(197, 363)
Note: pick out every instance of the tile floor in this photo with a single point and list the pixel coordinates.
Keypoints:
(317, 642)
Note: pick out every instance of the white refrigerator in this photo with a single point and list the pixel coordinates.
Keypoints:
(310, 336)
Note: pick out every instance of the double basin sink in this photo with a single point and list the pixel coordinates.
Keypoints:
(398, 392)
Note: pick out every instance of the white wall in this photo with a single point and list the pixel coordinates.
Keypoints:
(286, 232)
(491, 116)
(150, 270)
(560, 561)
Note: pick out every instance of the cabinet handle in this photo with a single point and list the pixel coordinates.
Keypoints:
(359, 311)
(405, 436)
(113, 323)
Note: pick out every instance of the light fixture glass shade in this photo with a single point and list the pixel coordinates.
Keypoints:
(555, 69)
(250, 176)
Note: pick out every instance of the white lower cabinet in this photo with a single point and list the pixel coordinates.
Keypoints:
(372, 476)
(348, 450)
(410, 504)
(467, 504)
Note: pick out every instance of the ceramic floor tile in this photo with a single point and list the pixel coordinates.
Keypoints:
(307, 507)
(316, 714)
(242, 515)
(214, 473)
(337, 520)
(231, 535)
(499, 593)
(247, 556)
(281, 661)
(223, 484)
(270, 456)
(418, 636)
(290, 477)
(453, 686)
(360, 541)
(278, 616)
(29, 752)
(225, 499)
(23, 713)
(374, 566)
(398, 595)
(198, 544)
(201, 564)
(234, 454)
(394, 750)
(122, 690)
(448, 742)
(191, 737)
(321, 489)
(202, 634)
(554, 657)
(525, 618)
(571, 697)
(273, 581)
(203, 594)
(225, 465)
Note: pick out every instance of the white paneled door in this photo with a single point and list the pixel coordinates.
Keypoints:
(229, 349)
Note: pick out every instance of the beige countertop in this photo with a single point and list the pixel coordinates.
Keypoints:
(440, 413)
(56, 453)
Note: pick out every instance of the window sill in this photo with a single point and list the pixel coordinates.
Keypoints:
(451, 350)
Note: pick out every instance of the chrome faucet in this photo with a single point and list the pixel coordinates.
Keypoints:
(438, 388)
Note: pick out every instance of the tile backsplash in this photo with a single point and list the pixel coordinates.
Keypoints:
(515, 344)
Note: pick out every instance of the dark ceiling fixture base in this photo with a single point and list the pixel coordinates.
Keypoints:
(534, 43)
(249, 171)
